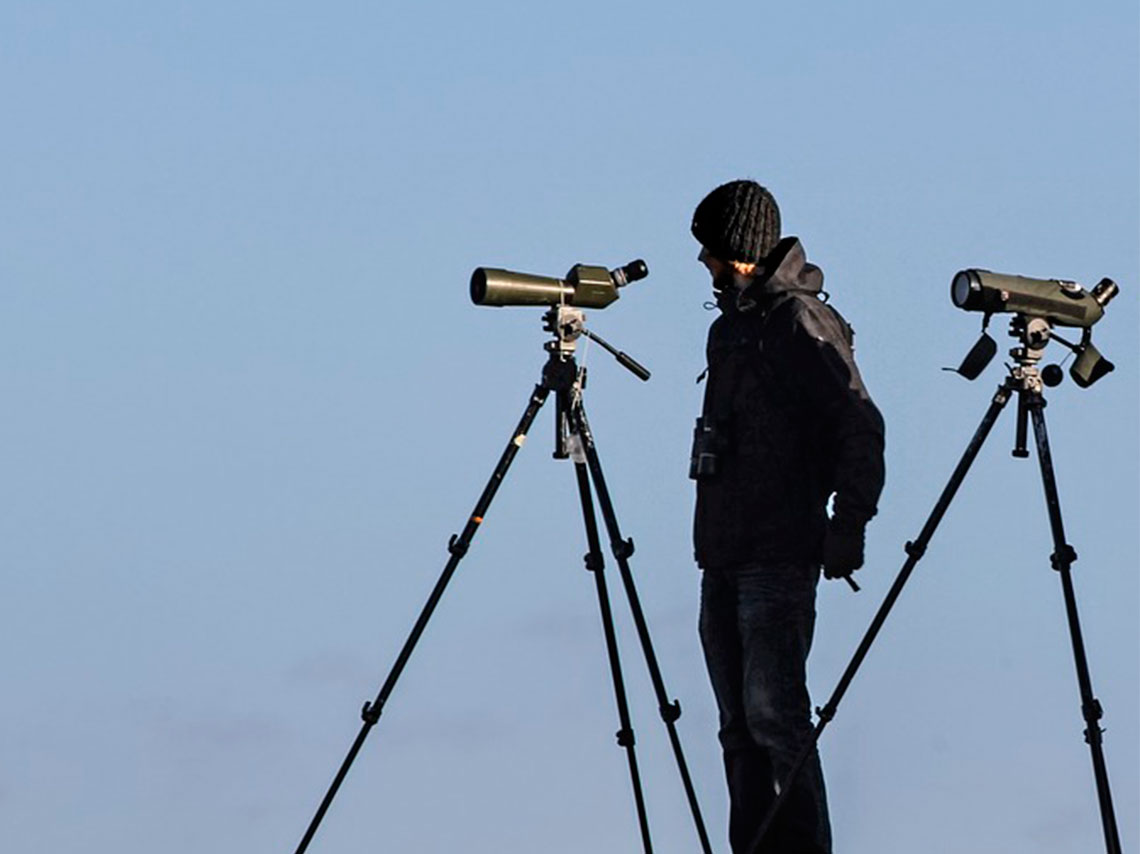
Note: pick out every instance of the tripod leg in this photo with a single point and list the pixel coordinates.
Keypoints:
(1063, 558)
(915, 551)
(623, 549)
(458, 548)
(596, 564)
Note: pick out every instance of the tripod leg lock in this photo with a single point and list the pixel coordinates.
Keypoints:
(1064, 557)
(456, 547)
(625, 738)
(594, 562)
(915, 550)
(624, 549)
(826, 713)
(671, 712)
(370, 714)
(1093, 712)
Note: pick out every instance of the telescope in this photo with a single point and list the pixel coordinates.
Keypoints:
(1038, 306)
(564, 380)
(1060, 302)
(585, 286)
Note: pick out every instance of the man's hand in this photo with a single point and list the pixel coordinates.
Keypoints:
(842, 549)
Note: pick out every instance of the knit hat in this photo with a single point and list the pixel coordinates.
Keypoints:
(738, 221)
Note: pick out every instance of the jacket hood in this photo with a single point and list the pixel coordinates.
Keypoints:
(786, 270)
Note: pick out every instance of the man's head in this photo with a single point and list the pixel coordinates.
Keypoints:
(738, 224)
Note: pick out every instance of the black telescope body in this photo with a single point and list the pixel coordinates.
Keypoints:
(585, 286)
(1059, 302)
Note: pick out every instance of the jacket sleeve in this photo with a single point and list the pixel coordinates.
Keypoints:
(821, 363)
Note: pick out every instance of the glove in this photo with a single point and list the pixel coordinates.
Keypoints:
(842, 549)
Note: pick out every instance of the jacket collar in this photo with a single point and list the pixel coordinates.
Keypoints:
(786, 270)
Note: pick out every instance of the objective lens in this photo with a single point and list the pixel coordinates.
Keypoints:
(961, 288)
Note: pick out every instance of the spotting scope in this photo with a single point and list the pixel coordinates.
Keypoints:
(1039, 305)
(584, 286)
(1055, 300)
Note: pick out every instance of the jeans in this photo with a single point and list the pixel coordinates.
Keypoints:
(756, 629)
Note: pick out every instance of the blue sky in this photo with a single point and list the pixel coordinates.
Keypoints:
(247, 401)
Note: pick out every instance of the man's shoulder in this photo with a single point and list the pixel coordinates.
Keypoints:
(806, 313)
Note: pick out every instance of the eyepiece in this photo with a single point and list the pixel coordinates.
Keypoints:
(631, 272)
(1105, 291)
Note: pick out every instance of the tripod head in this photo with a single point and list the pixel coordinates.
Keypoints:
(568, 324)
(1033, 333)
(564, 377)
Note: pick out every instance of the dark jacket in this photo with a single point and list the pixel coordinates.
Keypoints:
(786, 423)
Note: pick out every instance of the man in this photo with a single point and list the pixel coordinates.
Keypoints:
(787, 424)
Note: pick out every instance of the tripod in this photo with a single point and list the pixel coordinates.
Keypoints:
(1024, 381)
(562, 376)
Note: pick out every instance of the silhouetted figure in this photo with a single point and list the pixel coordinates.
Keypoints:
(786, 424)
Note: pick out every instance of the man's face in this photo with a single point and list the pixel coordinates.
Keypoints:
(723, 276)
(714, 265)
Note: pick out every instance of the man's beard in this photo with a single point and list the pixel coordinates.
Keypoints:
(725, 282)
